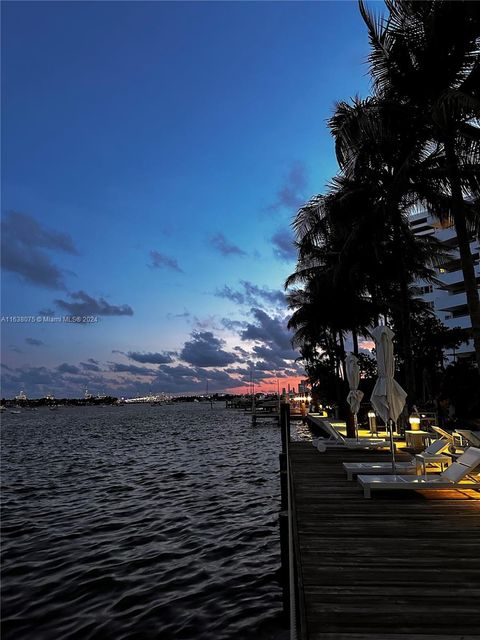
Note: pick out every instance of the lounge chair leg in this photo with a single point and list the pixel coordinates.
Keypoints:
(366, 492)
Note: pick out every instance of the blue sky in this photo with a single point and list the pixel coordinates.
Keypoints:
(153, 155)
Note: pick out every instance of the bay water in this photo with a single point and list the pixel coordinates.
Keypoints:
(140, 522)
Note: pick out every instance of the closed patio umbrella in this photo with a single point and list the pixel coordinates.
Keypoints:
(388, 397)
(354, 395)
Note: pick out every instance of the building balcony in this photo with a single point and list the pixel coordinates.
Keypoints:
(451, 278)
(463, 322)
(449, 302)
(446, 235)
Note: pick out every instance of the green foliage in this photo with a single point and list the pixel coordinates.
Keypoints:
(368, 366)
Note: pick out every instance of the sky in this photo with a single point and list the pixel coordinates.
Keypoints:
(154, 155)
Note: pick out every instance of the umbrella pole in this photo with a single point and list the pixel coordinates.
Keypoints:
(355, 422)
(392, 446)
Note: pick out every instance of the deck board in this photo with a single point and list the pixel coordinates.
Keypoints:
(404, 565)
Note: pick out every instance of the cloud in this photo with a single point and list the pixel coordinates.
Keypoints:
(233, 325)
(68, 368)
(160, 260)
(283, 245)
(210, 322)
(150, 358)
(291, 194)
(90, 367)
(366, 346)
(88, 306)
(225, 247)
(118, 367)
(24, 250)
(185, 314)
(15, 349)
(230, 294)
(181, 379)
(34, 342)
(252, 295)
(47, 312)
(271, 331)
(65, 380)
(205, 350)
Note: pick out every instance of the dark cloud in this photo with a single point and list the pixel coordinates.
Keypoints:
(88, 306)
(283, 245)
(181, 379)
(205, 350)
(273, 357)
(241, 351)
(30, 378)
(291, 194)
(150, 358)
(88, 366)
(230, 294)
(93, 361)
(270, 331)
(68, 368)
(252, 295)
(46, 312)
(24, 250)
(210, 322)
(160, 260)
(233, 325)
(178, 371)
(225, 247)
(65, 381)
(34, 342)
(118, 367)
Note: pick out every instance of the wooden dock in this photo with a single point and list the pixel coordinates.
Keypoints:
(265, 415)
(400, 566)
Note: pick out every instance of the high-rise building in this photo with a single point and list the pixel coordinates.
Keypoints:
(448, 298)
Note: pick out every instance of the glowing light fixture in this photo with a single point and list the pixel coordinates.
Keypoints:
(414, 421)
(372, 422)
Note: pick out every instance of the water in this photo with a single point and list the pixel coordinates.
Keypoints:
(140, 522)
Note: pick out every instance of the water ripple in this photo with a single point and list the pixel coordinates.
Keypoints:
(140, 522)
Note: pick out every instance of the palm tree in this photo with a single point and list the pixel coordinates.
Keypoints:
(379, 150)
(348, 267)
(425, 58)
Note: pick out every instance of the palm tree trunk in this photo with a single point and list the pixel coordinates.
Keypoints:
(355, 341)
(463, 239)
(405, 322)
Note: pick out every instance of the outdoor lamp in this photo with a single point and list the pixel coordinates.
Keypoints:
(372, 422)
(414, 421)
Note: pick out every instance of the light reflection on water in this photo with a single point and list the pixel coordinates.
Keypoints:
(140, 522)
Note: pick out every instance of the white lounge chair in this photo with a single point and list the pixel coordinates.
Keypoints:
(473, 437)
(452, 478)
(336, 440)
(446, 435)
(434, 453)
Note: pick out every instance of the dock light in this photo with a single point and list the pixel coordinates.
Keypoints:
(414, 421)
(372, 422)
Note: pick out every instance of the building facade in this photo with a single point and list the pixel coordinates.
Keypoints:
(448, 299)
